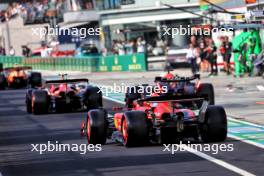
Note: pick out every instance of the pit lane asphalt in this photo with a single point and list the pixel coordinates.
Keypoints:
(18, 130)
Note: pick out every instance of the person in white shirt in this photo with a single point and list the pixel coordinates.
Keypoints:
(192, 58)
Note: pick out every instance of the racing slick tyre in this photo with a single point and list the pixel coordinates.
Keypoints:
(93, 98)
(40, 102)
(3, 82)
(1, 67)
(96, 126)
(214, 129)
(131, 95)
(207, 89)
(134, 128)
(35, 79)
(29, 101)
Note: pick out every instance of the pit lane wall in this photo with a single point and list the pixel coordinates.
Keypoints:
(111, 63)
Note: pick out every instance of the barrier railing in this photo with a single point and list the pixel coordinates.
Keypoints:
(9, 61)
(135, 62)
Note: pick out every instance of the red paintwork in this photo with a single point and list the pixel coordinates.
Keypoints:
(55, 91)
(118, 121)
(62, 53)
(159, 109)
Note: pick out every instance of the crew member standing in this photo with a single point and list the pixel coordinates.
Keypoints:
(192, 58)
(227, 54)
(212, 57)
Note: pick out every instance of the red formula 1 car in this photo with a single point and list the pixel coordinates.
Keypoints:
(18, 76)
(65, 95)
(185, 112)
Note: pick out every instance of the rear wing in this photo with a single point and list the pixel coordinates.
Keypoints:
(174, 98)
(61, 81)
(17, 68)
(178, 79)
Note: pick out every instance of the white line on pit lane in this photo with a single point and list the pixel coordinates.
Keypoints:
(218, 162)
(205, 156)
(1, 174)
(114, 100)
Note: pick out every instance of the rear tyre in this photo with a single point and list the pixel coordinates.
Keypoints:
(35, 79)
(40, 102)
(29, 106)
(207, 90)
(134, 128)
(96, 126)
(29, 101)
(93, 98)
(214, 129)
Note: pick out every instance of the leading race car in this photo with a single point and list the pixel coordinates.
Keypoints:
(18, 76)
(178, 114)
(173, 84)
(64, 95)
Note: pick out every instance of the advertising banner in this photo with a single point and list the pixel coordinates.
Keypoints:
(112, 63)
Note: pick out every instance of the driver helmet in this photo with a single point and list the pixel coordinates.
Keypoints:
(168, 76)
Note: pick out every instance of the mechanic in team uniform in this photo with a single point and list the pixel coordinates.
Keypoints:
(212, 57)
(226, 52)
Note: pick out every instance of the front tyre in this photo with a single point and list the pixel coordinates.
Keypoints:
(93, 98)
(96, 126)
